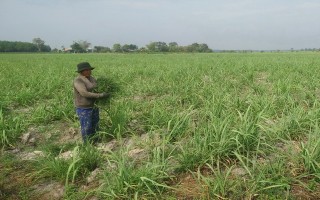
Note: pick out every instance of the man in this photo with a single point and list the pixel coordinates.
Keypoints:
(84, 99)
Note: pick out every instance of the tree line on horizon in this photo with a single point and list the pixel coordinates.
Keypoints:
(82, 46)
(38, 45)
(155, 47)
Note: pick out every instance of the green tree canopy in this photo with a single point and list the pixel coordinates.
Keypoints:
(80, 46)
(8, 46)
(101, 49)
(129, 48)
(117, 48)
(158, 47)
(39, 43)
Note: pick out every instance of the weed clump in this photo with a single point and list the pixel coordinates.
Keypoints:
(108, 86)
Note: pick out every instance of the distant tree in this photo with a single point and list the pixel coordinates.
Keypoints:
(143, 49)
(195, 47)
(80, 46)
(129, 48)
(183, 48)
(204, 48)
(117, 48)
(125, 48)
(101, 49)
(158, 47)
(39, 43)
(46, 48)
(55, 50)
(76, 47)
(8, 46)
(173, 47)
(151, 46)
(84, 44)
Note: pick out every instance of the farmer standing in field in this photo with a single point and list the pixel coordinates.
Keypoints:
(84, 99)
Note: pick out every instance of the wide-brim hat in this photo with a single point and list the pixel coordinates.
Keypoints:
(84, 65)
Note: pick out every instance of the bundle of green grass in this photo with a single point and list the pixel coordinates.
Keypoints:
(105, 85)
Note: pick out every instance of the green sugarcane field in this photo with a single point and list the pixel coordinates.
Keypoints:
(174, 126)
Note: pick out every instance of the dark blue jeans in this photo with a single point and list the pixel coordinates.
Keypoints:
(89, 121)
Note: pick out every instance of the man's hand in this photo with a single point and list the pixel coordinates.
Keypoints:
(104, 95)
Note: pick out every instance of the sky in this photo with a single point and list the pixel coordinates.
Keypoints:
(221, 24)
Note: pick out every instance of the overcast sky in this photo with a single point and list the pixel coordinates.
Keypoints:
(222, 24)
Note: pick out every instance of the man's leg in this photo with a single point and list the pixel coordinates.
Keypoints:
(95, 123)
(85, 117)
(95, 119)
